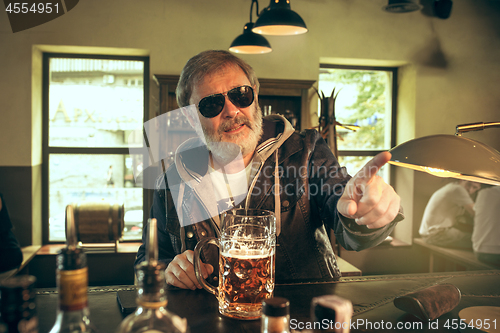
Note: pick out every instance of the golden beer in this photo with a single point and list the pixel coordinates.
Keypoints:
(245, 280)
(247, 245)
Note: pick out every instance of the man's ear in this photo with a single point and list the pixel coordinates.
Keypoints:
(256, 94)
(191, 114)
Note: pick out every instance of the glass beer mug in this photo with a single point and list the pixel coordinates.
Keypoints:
(247, 246)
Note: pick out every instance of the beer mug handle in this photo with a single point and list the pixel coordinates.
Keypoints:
(197, 262)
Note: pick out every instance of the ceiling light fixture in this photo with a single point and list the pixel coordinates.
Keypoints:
(249, 42)
(280, 20)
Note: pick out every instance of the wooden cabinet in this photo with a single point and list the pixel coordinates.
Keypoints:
(166, 91)
(287, 97)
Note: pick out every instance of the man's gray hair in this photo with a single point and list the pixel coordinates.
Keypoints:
(208, 63)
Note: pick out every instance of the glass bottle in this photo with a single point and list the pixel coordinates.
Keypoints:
(17, 305)
(275, 315)
(73, 315)
(151, 315)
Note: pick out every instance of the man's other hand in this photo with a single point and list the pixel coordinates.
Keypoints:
(180, 271)
(367, 198)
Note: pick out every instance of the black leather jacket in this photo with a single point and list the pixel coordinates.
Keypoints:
(312, 183)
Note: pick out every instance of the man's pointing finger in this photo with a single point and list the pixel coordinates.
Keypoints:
(370, 169)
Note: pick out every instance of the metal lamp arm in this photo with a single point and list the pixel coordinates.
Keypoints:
(251, 9)
(475, 127)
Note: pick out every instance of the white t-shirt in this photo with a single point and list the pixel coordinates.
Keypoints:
(230, 188)
(443, 208)
(486, 234)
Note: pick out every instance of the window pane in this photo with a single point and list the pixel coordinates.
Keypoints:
(354, 163)
(74, 178)
(94, 102)
(364, 99)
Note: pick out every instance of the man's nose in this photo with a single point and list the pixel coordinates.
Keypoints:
(230, 110)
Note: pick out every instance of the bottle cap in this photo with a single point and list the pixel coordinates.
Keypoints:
(322, 311)
(19, 281)
(276, 307)
(331, 307)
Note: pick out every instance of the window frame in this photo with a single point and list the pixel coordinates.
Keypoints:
(394, 99)
(47, 150)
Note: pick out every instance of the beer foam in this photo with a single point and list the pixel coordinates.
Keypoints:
(246, 254)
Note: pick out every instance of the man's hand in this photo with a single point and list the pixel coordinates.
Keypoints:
(180, 271)
(367, 198)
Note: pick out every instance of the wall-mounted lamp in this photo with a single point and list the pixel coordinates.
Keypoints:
(442, 8)
(249, 42)
(438, 8)
(279, 19)
(451, 156)
(401, 6)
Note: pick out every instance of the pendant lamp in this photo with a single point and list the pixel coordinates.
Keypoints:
(280, 20)
(249, 42)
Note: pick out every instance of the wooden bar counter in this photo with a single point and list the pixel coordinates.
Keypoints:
(372, 298)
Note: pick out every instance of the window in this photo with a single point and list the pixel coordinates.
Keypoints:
(365, 99)
(89, 114)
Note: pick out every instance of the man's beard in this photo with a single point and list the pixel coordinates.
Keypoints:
(226, 152)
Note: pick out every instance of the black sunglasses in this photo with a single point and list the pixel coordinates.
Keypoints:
(211, 106)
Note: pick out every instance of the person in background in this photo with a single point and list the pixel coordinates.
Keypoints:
(441, 215)
(110, 181)
(221, 91)
(11, 255)
(486, 232)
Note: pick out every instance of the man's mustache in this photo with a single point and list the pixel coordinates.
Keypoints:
(236, 121)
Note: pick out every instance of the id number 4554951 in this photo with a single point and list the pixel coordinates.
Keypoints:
(36, 8)
(456, 324)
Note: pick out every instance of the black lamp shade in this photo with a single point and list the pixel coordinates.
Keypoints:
(401, 6)
(278, 19)
(442, 8)
(249, 42)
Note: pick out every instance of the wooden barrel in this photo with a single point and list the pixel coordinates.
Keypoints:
(99, 222)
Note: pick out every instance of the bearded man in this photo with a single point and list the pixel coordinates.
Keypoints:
(243, 160)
